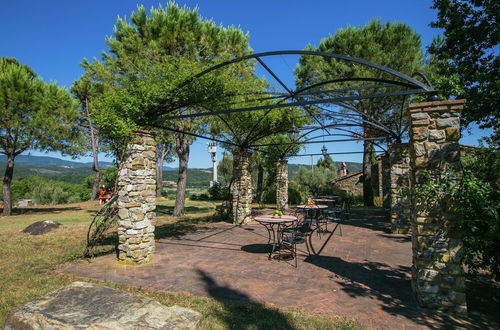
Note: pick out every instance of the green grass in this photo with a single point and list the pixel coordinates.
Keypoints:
(27, 269)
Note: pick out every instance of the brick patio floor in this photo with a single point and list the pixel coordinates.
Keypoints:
(363, 274)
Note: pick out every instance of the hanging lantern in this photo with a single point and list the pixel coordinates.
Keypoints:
(294, 133)
(324, 151)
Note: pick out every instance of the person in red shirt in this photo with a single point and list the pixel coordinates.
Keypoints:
(104, 196)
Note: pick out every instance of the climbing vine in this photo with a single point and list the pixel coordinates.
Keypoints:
(477, 206)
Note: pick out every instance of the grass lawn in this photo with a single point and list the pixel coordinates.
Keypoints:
(28, 263)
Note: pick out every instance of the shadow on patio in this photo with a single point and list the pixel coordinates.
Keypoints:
(240, 310)
(392, 287)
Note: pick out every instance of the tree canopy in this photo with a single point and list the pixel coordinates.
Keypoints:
(33, 115)
(150, 55)
(469, 50)
(394, 45)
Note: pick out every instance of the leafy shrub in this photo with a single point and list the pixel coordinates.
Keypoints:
(108, 177)
(317, 180)
(477, 205)
(219, 192)
(44, 191)
(200, 197)
(296, 193)
(269, 194)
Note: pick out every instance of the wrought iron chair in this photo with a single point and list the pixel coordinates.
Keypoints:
(300, 233)
(339, 214)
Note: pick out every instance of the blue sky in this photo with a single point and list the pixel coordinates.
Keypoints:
(54, 36)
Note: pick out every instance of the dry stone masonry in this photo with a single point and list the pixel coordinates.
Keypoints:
(241, 188)
(399, 183)
(437, 274)
(351, 183)
(137, 200)
(282, 185)
(386, 182)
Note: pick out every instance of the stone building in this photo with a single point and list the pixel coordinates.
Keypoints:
(352, 183)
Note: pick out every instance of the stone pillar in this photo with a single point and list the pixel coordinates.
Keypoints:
(282, 185)
(241, 188)
(399, 160)
(137, 200)
(437, 274)
(386, 181)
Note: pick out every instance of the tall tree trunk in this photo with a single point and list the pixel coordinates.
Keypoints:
(260, 183)
(7, 180)
(161, 154)
(97, 175)
(182, 150)
(367, 174)
(94, 141)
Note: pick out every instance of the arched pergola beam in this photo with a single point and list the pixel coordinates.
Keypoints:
(369, 120)
(382, 68)
(302, 92)
(211, 138)
(303, 103)
(329, 92)
(351, 132)
(387, 83)
(312, 142)
(335, 153)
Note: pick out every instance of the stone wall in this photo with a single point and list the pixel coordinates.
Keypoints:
(241, 188)
(282, 185)
(137, 200)
(399, 176)
(386, 182)
(351, 183)
(437, 274)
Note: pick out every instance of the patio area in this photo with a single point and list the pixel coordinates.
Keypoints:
(363, 275)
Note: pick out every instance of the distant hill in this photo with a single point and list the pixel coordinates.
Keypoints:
(75, 172)
(43, 161)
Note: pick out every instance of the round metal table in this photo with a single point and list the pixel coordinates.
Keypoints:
(274, 226)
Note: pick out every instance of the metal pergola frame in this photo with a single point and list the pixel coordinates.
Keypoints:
(327, 107)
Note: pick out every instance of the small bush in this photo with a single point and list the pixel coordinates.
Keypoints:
(297, 194)
(45, 191)
(219, 192)
(200, 197)
(108, 177)
(269, 194)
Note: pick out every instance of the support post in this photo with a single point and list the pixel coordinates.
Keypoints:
(241, 188)
(282, 185)
(437, 274)
(399, 160)
(386, 181)
(137, 200)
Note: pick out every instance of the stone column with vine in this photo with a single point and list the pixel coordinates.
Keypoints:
(241, 187)
(282, 184)
(437, 274)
